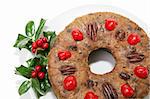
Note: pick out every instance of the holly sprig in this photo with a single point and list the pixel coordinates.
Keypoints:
(39, 82)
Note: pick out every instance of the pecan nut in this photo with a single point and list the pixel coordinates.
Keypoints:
(135, 57)
(120, 35)
(124, 76)
(67, 70)
(108, 91)
(91, 31)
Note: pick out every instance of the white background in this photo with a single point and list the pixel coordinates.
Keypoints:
(15, 13)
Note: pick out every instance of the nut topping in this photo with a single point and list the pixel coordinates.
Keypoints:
(132, 49)
(91, 31)
(90, 83)
(67, 70)
(120, 35)
(73, 47)
(109, 92)
(135, 57)
(124, 76)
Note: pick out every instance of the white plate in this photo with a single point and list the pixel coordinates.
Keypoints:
(58, 24)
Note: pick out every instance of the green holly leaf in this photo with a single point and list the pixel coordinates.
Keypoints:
(36, 93)
(29, 61)
(43, 61)
(52, 40)
(43, 53)
(24, 87)
(33, 62)
(30, 29)
(51, 37)
(45, 85)
(23, 71)
(22, 42)
(38, 60)
(36, 86)
(48, 34)
(40, 29)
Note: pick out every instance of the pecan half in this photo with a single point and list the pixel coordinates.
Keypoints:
(91, 30)
(135, 57)
(124, 76)
(67, 70)
(120, 35)
(108, 91)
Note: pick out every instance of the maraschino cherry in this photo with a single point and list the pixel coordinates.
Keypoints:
(77, 35)
(110, 24)
(141, 72)
(90, 95)
(133, 39)
(127, 90)
(70, 83)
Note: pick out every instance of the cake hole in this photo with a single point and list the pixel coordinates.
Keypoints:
(101, 61)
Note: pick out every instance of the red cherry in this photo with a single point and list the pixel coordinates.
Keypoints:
(133, 39)
(38, 68)
(33, 50)
(45, 45)
(34, 45)
(110, 24)
(70, 83)
(39, 42)
(41, 75)
(126, 90)
(63, 55)
(141, 72)
(44, 40)
(90, 95)
(34, 74)
(77, 35)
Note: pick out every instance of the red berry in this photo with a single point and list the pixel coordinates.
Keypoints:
(141, 72)
(41, 75)
(90, 95)
(38, 68)
(70, 83)
(45, 45)
(63, 55)
(33, 50)
(34, 45)
(39, 42)
(110, 24)
(44, 39)
(133, 39)
(34, 74)
(126, 90)
(77, 35)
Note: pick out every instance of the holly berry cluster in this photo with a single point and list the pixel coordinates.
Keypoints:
(38, 73)
(40, 43)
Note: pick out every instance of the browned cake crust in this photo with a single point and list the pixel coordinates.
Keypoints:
(116, 42)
